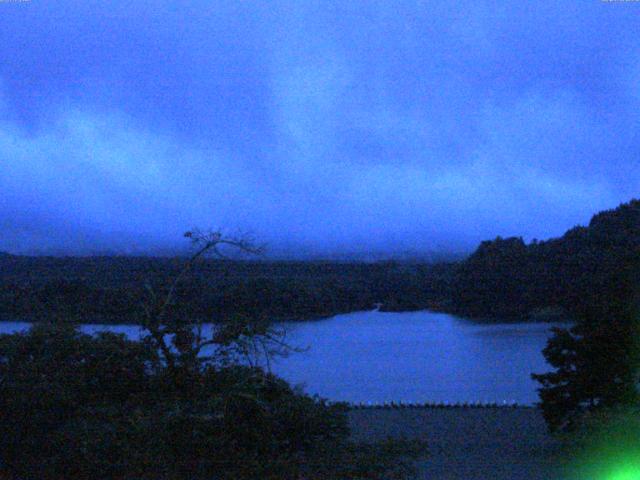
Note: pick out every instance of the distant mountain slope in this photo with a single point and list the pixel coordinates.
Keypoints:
(508, 278)
(111, 289)
(503, 278)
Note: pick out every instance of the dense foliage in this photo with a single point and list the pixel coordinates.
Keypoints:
(110, 289)
(83, 407)
(597, 360)
(570, 274)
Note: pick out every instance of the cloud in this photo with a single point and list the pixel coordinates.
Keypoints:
(318, 126)
(102, 175)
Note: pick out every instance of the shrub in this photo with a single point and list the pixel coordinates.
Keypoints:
(83, 407)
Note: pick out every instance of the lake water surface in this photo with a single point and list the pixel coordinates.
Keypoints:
(409, 356)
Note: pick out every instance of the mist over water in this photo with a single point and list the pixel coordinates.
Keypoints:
(323, 128)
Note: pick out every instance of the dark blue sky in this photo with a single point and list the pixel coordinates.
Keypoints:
(318, 126)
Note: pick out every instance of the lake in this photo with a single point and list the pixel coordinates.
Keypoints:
(409, 356)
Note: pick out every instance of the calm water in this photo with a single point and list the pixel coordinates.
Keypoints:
(413, 357)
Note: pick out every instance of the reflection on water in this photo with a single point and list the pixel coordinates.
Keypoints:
(410, 356)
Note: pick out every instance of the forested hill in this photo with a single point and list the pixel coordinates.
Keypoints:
(502, 278)
(112, 289)
(508, 278)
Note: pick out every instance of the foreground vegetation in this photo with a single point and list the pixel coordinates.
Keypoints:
(82, 407)
(179, 404)
(597, 360)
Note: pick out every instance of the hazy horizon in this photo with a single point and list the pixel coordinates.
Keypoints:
(322, 128)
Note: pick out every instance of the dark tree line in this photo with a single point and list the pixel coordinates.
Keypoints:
(109, 289)
(503, 278)
(508, 278)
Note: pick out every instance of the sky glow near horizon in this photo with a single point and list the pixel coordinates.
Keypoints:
(319, 127)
